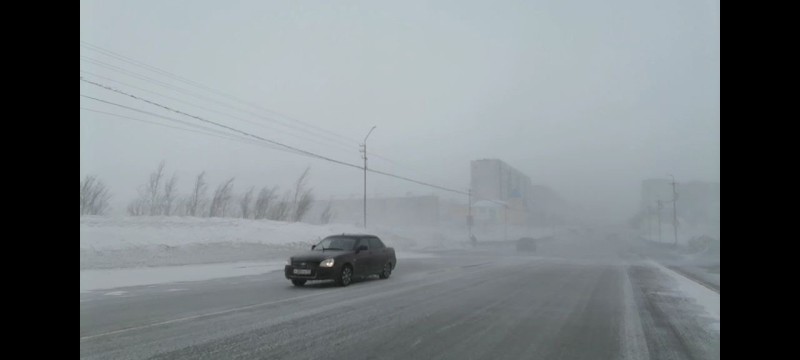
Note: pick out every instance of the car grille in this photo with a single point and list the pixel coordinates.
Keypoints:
(305, 264)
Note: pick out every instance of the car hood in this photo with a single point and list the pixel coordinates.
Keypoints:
(318, 255)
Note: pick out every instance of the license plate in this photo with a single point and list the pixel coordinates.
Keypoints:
(302, 271)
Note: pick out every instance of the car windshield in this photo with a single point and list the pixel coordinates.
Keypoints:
(336, 243)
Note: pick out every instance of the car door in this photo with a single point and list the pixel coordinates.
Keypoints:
(363, 259)
(379, 254)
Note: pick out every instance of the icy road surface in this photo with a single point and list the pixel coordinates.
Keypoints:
(479, 304)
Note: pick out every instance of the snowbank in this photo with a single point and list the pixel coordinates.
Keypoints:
(98, 279)
(703, 296)
(102, 233)
(126, 242)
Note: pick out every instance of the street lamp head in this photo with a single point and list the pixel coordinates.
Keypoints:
(370, 132)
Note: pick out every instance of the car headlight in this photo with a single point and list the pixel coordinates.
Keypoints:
(326, 263)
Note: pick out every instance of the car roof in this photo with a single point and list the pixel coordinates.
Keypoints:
(354, 235)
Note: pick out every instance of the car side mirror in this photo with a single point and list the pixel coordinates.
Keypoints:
(313, 247)
(361, 248)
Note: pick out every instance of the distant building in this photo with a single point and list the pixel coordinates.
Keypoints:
(492, 180)
(487, 212)
(501, 195)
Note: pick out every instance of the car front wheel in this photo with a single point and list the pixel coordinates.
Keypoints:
(345, 276)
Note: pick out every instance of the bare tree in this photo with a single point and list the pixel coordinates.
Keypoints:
(182, 207)
(151, 190)
(246, 202)
(169, 196)
(137, 208)
(221, 199)
(281, 210)
(197, 198)
(94, 196)
(300, 184)
(326, 215)
(302, 205)
(263, 202)
(152, 199)
(303, 197)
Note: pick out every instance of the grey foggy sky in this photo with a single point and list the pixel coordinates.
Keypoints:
(586, 97)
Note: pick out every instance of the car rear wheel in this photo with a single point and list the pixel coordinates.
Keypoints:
(345, 276)
(387, 271)
(298, 282)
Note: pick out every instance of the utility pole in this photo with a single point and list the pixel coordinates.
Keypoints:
(364, 150)
(505, 226)
(649, 222)
(660, 206)
(675, 210)
(469, 212)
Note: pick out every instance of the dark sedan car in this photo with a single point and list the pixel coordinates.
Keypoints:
(341, 258)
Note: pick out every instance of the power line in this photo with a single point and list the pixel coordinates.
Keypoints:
(220, 134)
(215, 131)
(297, 150)
(209, 133)
(182, 79)
(404, 166)
(129, 60)
(196, 84)
(205, 98)
(212, 110)
(220, 125)
(418, 182)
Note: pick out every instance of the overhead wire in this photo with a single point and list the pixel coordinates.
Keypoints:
(242, 133)
(182, 79)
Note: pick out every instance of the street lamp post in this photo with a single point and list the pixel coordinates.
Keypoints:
(469, 212)
(364, 146)
(505, 222)
(659, 207)
(674, 209)
(650, 222)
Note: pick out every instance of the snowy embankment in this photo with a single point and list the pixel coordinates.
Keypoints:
(132, 251)
(128, 242)
(701, 263)
(96, 279)
(703, 296)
